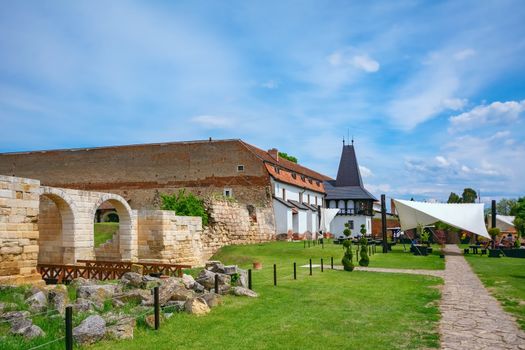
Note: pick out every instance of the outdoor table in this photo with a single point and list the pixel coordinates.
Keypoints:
(475, 248)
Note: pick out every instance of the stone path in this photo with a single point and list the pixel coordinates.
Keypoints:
(471, 317)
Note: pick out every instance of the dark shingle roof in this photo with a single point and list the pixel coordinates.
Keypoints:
(298, 205)
(285, 203)
(346, 192)
(348, 173)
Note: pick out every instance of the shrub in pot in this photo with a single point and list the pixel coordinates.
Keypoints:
(347, 258)
(364, 261)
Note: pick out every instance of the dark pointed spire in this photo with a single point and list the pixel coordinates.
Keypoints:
(348, 173)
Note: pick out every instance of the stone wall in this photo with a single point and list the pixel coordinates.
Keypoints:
(18, 230)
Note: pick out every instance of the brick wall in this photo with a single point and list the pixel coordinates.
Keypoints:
(19, 201)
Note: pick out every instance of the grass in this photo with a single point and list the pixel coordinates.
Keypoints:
(329, 310)
(505, 280)
(104, 231)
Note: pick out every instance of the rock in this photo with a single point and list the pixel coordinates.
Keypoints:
(207, 279)
(196, 306)
(150, 320)
(120, 331)
(149, 282)
(7, 306)
(90, 330)
(33, 332)
(136, 268)
(211, 299)
(132, 279)
(37, 302)
(81, 281)
(188, 281)
(176, 306)
(214, 266)
(59, 298)
(12, 315)
(35, 289)
(230, 269)
(98, 293)
(83, 305)
(241, 291)
(168, 315)
(20, 325)
(167, 288)
(135, 295)
(182, 294)
(199, 288)
(240, 278)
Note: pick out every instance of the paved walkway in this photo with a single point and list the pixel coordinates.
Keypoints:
(471, 317)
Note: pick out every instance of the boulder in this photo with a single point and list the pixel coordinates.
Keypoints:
(149, 282)
(241, 278)
(211, 299)
(58, 298)
(182, 294)
(199, 288)
(120, 331)
(12, 315)
(230, 269)
(241, 291)
(135, 295)
(176, 306)
(188, 281)
(81, 281)
(150, 320)
(137, 269)
(7, 306)
(37, 302)
(90, 330)
(196, 306)
(167, 288)
(33, 332)
(83, 305)
(132, 279)
(26, 328)
(207, 279)
(214, 266)
(98, 292)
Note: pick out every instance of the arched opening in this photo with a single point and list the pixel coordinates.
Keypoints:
(112, 228)
(55, 225)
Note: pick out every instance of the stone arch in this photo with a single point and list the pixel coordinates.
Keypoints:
(123, 247)
(57, 218)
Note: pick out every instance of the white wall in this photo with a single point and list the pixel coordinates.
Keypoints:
(283, 217)
(292, 192)
(338, 224)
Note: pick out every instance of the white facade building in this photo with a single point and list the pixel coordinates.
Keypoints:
(348, 194)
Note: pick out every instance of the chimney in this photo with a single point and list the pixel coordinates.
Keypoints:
(392, 206)
(274, 153)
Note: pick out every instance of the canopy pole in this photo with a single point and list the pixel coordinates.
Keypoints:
(493, 219)
(383, 223)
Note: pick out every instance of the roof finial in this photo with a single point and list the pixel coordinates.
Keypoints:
(343, 141)
(352, 140)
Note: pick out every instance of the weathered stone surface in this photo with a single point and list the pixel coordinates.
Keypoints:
(196, 306)
(230, 269)
(98, 293)
(20, 325)
(182, 294)
(81, 281)
(211, 299)
(11, 315)
(132, 279)
(37, 302)
(150, 320)
(83, 305)
(90, 330)
(188, 281)
(241, 291)
(120, 331)
(135, 295)
(207, 279)
(214, 266)
(168, 288)
(242, 279)
(33, 332)
(7, 306)
(136, 268)
(199, 288)
(176, 306)
(58, 299)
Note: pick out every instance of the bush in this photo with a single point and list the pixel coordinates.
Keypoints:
(347, 258)
(365, 260)
(363, 229)
(185, 205)
(347, 232)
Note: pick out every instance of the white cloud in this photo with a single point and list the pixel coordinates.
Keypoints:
(464, 54)
(270, 84)
(365, 172)
(442, 161)
(454, 104)
(495, 113)
(350, 57)
(365, 63)
(213, 121)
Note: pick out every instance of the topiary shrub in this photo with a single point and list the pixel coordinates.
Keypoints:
(348, 265)
(347, 232)
(494, 233)
(365, 260)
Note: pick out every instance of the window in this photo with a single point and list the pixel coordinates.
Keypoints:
(316, 200)
(284, 194)
(310, 180)
(303, 178)
(308, 199)
(351, 224)
(228, 192)
(300, 197)
(276, 169)
(318, 183)
(294, 175)
(240, 167)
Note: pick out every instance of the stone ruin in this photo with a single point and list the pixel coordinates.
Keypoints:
(49, 225)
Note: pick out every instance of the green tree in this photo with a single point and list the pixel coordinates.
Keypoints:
(185, 205)
(347, 258)
(347, 232)
(469, 196)
(365, 260)
(453, 198)
(286, 156)
(504, 206)
(518, 210)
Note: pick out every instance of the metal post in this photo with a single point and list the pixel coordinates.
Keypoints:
(310, 267)
(294, 271)
(156, 306)
(383, 223)
(69, 327)
(322, 267)
(274, 274)
(332, 262)
(217, 283)
(249, 278)
(493, 219)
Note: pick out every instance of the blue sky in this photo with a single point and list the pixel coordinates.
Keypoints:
(433, 92)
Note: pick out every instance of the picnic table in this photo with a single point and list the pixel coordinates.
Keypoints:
(475, 248)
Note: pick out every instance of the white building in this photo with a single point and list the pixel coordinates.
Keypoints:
(348, 194)
(298, 193)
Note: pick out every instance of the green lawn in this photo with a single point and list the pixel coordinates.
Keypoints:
(329, 310)
(104, 231)
(505, 279)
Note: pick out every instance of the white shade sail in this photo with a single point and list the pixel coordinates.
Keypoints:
(468, 217)
(327, 215)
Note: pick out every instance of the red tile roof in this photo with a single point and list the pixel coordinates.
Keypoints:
(286, 176)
